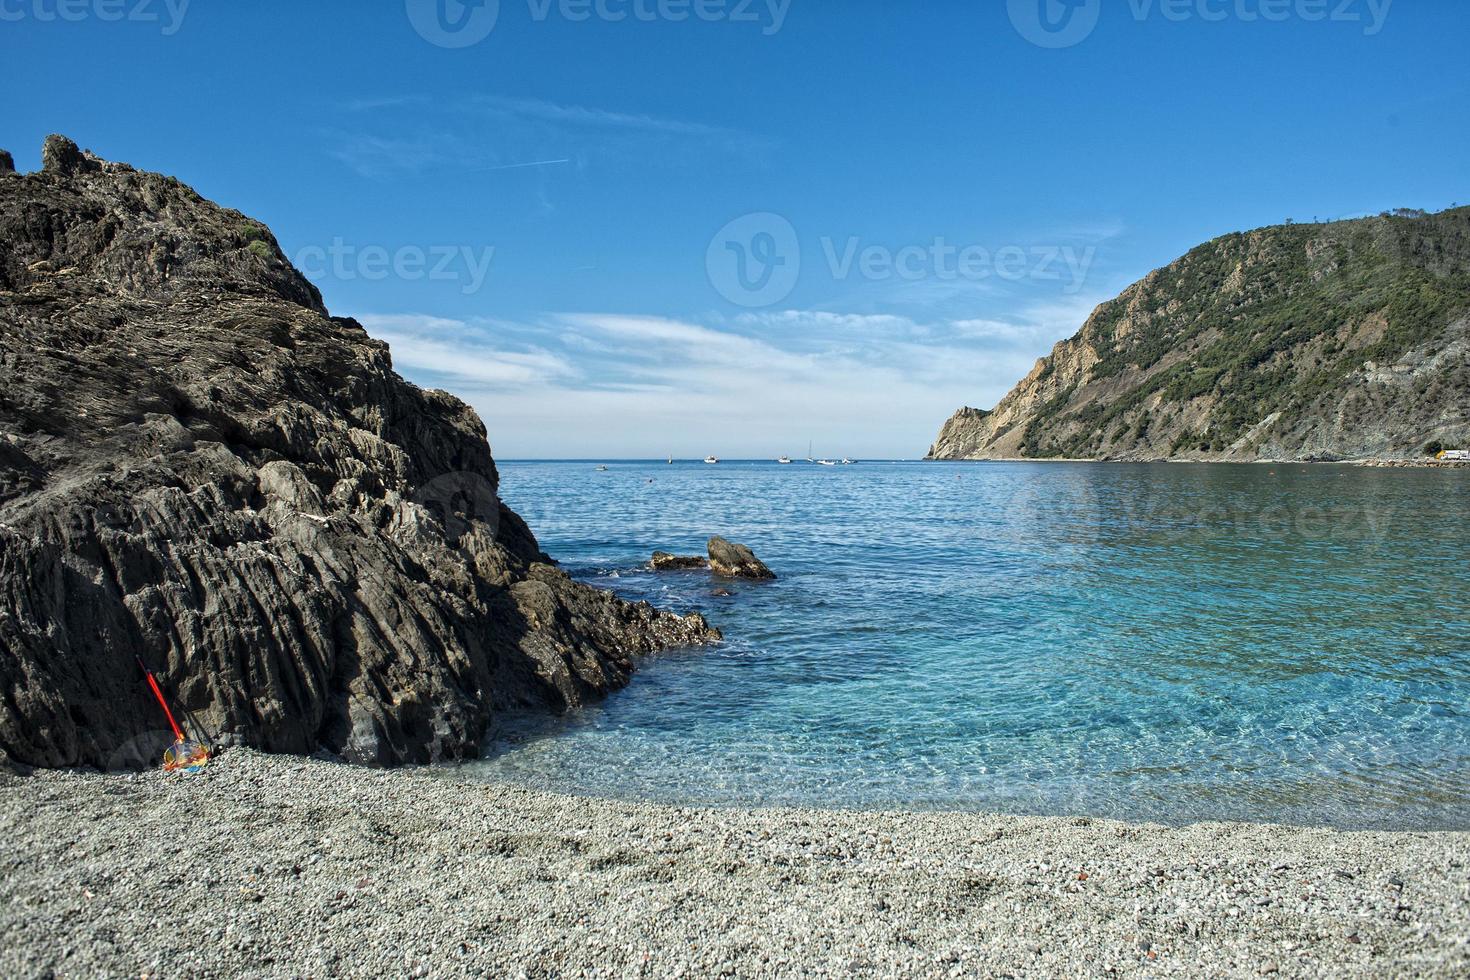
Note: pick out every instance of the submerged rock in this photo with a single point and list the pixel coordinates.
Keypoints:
(665, 562)
(200, 466)
(735, 560)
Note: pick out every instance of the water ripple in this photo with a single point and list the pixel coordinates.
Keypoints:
(1169, 643)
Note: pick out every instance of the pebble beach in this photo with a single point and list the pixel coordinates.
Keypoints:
(283, 866)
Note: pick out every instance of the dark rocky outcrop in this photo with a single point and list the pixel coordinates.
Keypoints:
(1344, 340)
(200, 466)
(64, 158)
(735, 560)
(664, 562)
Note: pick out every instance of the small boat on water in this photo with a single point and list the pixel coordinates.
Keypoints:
(846, 461)
(712, 460)
(825, 462)
(602, 469)
(784, 460)
(671, 461)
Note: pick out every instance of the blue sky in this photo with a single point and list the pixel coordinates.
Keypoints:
(736, 227)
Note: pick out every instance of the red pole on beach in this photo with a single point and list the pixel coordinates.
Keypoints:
(178, 734)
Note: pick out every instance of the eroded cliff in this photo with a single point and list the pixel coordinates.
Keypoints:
(1344, 340)
(201, 467)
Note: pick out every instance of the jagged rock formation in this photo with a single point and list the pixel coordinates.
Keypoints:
(664, 562)
(200, 466)
(732, 560)
(1346, 340)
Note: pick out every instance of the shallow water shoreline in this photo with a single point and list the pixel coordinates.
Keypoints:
(287, 866)
(1141, 642)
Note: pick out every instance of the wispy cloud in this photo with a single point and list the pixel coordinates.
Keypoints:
(386, 102)
(528, 163)
(619, 384)
(1094, 231)
(826, 320)
(383, 156)
(1036, 327)
(588, 117)
(488, 132)
(453, 354)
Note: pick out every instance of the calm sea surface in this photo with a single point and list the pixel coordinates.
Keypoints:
(1162, 642)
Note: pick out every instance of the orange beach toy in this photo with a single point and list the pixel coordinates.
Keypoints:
(184, 755)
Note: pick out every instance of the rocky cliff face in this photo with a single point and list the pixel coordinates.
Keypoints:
(1303, 342)
(200, 466)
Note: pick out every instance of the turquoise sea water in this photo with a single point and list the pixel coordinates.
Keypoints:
(1161, 642)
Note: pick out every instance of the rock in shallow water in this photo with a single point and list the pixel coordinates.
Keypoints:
(735, 560)
(200, 466)
(665, 562)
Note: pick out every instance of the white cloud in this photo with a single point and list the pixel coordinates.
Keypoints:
(611, 384)
(483, 133)
(381, 156)
(595, 118)
(859, 323)
(455, 355)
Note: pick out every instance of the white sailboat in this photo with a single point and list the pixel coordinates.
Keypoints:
(712, 460)
(784, 460)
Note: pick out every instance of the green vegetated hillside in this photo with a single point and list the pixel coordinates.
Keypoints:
(1348, 339)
